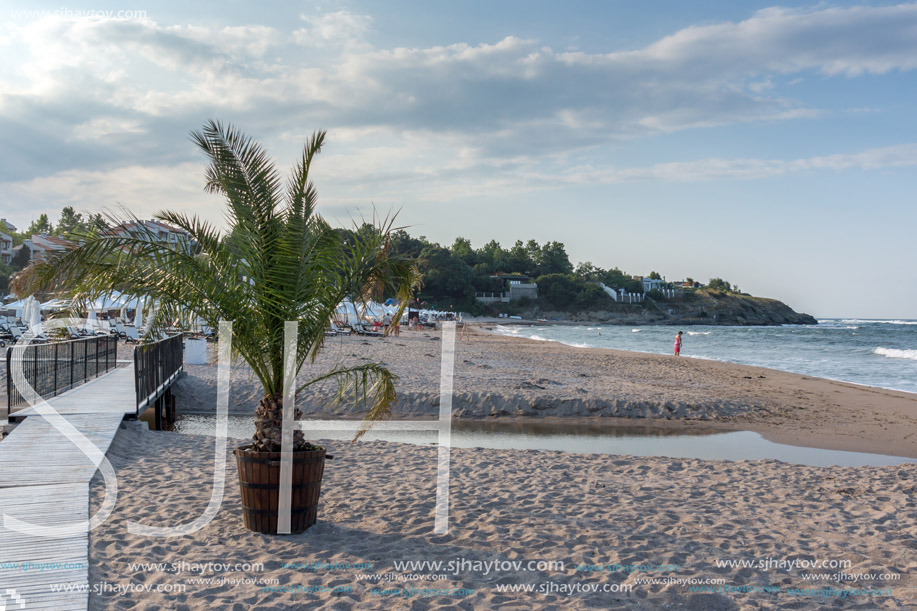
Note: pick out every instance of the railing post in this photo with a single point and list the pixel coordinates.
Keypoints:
(55, 368)
(9, 382)
(137, 382)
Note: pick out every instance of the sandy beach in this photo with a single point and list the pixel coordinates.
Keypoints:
(662, 519)
(503, 377)
(645, 533)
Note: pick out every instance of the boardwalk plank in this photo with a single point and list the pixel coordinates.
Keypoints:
(44, 479)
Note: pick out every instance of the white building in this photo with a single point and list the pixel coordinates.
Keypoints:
(6, 241)
(40, 244)
(157, 231)
(6, 248)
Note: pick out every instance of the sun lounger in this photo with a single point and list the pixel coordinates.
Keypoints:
(335, 330)
(359, 328)
(120, 330)
(131, 335)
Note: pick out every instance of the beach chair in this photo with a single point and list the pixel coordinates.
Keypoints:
(131, 335)
(18, 333)
(359, 328)
(337, 330)
(120, 330)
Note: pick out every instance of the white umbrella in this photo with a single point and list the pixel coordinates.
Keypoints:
(35, 323)
(138, 316)
(27, 315)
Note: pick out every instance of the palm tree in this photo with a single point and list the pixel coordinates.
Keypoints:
(279, 262)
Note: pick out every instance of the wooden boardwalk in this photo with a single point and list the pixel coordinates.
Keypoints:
(44, 479)
(110, 393)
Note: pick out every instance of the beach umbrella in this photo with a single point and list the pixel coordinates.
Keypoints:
(27, 310)
(138, 316)
(35, 323)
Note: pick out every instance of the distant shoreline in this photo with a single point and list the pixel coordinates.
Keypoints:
(511, 377)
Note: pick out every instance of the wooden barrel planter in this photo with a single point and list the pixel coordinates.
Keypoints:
(259, 479)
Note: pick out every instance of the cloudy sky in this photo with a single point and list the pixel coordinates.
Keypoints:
(772, 145)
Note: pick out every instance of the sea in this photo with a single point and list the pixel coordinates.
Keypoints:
(872, 352)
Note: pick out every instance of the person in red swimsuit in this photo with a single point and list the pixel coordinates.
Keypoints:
(678, 344)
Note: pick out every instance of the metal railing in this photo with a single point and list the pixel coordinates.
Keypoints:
(156, 366)
(55, 367)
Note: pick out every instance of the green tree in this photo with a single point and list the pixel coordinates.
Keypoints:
(493, 256)
(5, 272)
(518, 259)
(41, 226)
(588, 271)
(718, 284)
(403, 244)
(559, 290)
(553, 259)
(461, 248)
(96, 223)
(655, 276)
(70, 223)
(445, 276)
(285, 264)
(21, 259)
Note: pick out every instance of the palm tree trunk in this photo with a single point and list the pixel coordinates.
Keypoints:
(269, 426)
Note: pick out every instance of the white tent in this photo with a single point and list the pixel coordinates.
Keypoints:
(103, 304)
(18, 307)
(55, 304)
(373, 310)
(347, 312)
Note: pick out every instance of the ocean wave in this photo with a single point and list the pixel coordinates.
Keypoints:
(636, 330)
(895, 353)
(535, 336)
(853, 321)
(506, 330)
(699, 332)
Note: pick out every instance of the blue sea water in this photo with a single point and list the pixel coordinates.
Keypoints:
(873, 352)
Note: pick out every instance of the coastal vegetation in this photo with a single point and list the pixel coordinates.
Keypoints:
(279, 262)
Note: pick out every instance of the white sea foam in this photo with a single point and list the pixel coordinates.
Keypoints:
(636, 330)
(575, 344)
(895, 353)
(850, 321)
(699, 332)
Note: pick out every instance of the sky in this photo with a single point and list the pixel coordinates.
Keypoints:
(771, 145)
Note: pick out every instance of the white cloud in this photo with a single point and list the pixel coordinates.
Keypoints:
(460, 116)
(107, 126)
(744, 169)
(338, 29)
